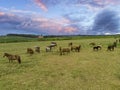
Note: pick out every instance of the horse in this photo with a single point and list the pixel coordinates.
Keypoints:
(76, 48)
(98, 47)
(37, 49)
(12, 57)
(110, 47)
(30, 51)
(63, 50)
(48, 49)
(53, 44)
(70, 44)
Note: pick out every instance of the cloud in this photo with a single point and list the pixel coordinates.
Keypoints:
(44, 4)
(106, 21)
(38, 25)
(41, 5)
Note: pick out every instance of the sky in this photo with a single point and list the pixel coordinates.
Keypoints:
(60, 17)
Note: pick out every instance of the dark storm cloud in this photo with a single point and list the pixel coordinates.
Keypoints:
(106, 22)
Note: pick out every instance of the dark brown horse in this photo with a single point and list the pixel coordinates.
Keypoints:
(76, 48)
(98, 47)
(12, 57)
(111, 47)
(30, 51)
(64, 50)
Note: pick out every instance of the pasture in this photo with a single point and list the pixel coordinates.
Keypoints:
(84, 70)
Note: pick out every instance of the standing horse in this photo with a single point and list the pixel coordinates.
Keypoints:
(63, 50)
(110, 47)
(49, 48)
(76, 48)
(12, 57)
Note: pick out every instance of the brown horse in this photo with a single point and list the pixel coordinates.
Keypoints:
(98, 47)
(30, 51)
(12, 57)
(76, 48)
(111, 47)
(63, 50)
(37, 49)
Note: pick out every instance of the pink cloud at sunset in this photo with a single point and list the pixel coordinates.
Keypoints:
(41, 5)
(56, 26)
(1, 13)
(107, 2)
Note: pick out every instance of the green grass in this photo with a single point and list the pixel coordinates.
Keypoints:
(86, 70)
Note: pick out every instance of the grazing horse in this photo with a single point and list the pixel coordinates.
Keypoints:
(12, 57)
(70, 44)
(37, 49)
(63, 50)
(76, 48)
(30, 51)
(98, 47)
(110, 47)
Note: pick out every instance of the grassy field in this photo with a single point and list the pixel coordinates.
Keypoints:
(86, 70)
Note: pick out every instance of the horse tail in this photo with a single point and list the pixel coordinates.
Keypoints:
(19, 59)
